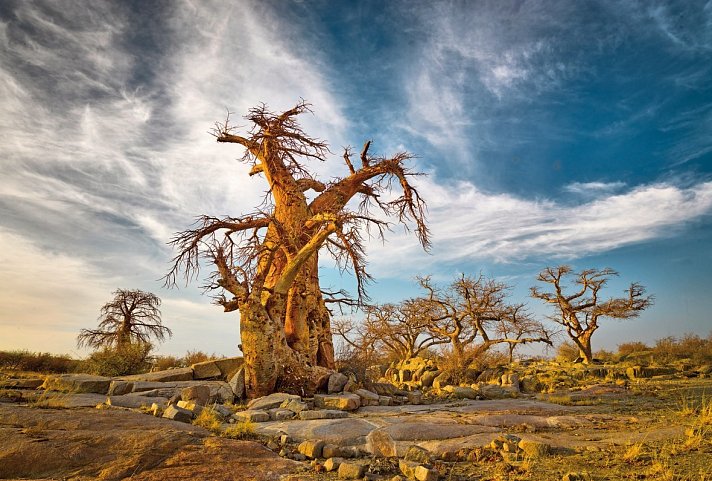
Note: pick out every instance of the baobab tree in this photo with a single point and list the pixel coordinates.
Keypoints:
(266, 262)
(470, 313)
(132, 317)
(579, 312)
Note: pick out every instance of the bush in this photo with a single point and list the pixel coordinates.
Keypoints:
(192, 357)
(37, 362)
(567, 352)
(161, 363)
(628, 348)
(131, 359)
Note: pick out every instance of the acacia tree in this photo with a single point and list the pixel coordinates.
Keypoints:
(470, 313)
(132, 317)
(266, 262)
(580, 311)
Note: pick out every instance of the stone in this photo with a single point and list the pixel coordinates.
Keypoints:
(342, 402)
(417, 454)
(572, 476)
(169, 375)
(427, 378)
(252, 415)
(368, 398)
(407, 468)
(382, 388)
(507, 442)
(312, 414)
(461, 392)
(77, 383)
(331, 451)
(349, 470)
(118, 388)
(534, 449)
(223, 411)
(351, 386)
(156, 410)
(311, 449)
(229, 366)
(337, 381)
(385, 400)
(333, 463)
(191, 406)
(134, 402)
(237, 383)
(491, 391)
(21, 383)
(380, 443)
(294, 405)
(178, 414)
(198, 394)
(206, 370)
(415, 397)
(423, 473)
(280, 414)
(397, 478)
(274, 400)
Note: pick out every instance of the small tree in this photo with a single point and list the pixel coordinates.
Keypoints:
(132, 317)
(580, 311)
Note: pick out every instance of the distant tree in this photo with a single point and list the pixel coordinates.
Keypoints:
(471, 312)
(579, 312)
(132, 317)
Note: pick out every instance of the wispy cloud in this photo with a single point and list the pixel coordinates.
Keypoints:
(593, 188)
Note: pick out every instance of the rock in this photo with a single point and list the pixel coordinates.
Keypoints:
(534, 449)
(280, 414)
(191, 406)
(219, 391)
(427, 378)
(380, 443)
(21, 383)
(460, 392)
(77, 383)
(206, 370)
(397, 478)
(385, 400)
(506, 442)
(423, 473)
(294, 405)
(368, 398)
(252, 415)
(118, 388)
(351, 386)
(169, 375)
(198, 394)
(134, 402)
(331, 451)
(407, 468)
(349, 470)
(156, 410)
(415, 397)
(571, 476)
(441, 380)
(311, 449)
(178, 414)
(491, 391)
(321, 414)
(333, 463)
(337, 381)
(418, 455)
(342, 402)
(229, 366)
(299, 457)
(382, 388)
(274, 400)
(237, 383)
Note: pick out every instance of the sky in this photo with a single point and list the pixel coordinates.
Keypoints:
(552, 132)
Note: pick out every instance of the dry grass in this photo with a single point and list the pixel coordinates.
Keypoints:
(50, 400)
(209, 420)
(240, 430)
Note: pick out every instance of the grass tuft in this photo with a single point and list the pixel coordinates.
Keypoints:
(241, 430)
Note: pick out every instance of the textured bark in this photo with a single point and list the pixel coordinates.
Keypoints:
(268, 261)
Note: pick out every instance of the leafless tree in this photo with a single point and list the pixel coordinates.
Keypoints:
(266, 262)
(579, 312)
(470, 313)
(132, 317)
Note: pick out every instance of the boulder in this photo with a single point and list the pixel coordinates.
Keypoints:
(331, 451)
(134, 402)
(274, 400)
(237, 383)
(77, 383)
(294, 405)
(118, 388)
(178, 414)
(424, 473)
(381, 444)
(418, 455)
(252, 415)
(368, 398)
(351, 470)
(382, 388)
(311, 449)
(309, 415)
(492, 391)
(342, 402)
(198, 394)
(407, 468)
(229, 366)
(461, 392)
(441, 380)
(206, 370)
(427, 378)
(191, 406)
(385, 400)
(337, 381)
(21, 383)
(534, 449)
(280, 414)
(415, 397)
(333, 463)
(169, 375)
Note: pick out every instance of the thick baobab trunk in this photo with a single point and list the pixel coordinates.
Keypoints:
(584, 345)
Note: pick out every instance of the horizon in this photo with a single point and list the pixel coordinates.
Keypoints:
(551, 133)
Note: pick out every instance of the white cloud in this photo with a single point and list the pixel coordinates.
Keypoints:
(595, 188)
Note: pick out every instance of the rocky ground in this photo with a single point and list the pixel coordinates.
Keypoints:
(654, 429)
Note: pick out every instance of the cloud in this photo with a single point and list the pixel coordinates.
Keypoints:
(469, 225)
(595, 188)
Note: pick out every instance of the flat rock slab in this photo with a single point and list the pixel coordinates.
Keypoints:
(77, 383)
(178, 374)
(344, 432)
(134, 402)
(86, 400)
(21, 383)
(272, 401)
(424, 431)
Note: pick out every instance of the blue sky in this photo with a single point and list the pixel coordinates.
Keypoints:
(552, 132)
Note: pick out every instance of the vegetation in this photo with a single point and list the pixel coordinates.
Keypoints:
(129, 359)
(266, 262)
(579, 312)
(44, 362)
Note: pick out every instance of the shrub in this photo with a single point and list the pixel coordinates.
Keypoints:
(192, 357)
(131, 359)
(628, 348)
(37, 361)
(240, 430)
(567, 352)
(209, 420)
(161, 363)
